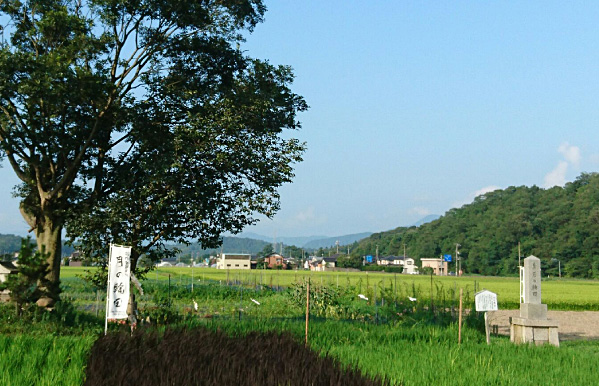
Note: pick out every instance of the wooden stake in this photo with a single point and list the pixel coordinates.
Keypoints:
(487, 332)
(307, 309)
(460, 318)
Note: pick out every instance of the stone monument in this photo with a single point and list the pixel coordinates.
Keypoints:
(532, 326)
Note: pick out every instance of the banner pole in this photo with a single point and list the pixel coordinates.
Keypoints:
(107, 289)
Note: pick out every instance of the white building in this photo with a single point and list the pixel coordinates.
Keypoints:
(399, 261)
(234, 261)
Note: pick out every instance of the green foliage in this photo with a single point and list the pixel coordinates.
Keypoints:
(266, 250)
(373, 268)
(142, 123)
(324, 300)
(63, 319)
(30, 283)
(349, 262)
(426, 271)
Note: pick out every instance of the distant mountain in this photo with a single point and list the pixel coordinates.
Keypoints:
(230, 245)
(297, 241)
(427, 219)
(12, 243)
(330, 241)
(310, 242)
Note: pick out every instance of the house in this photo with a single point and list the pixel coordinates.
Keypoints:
(399, 261)
(329, 262)
(234, 261)
(274, 260)
(408, 266)
(7, 268)
(316, 263)
(439, 266)
(385, 260)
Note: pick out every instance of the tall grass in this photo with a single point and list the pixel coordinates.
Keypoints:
(427, 355)
(43, 360)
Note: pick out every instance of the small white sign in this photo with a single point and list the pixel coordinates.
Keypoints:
(485, 301)
(119, 275)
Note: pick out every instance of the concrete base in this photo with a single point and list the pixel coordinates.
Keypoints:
(523, 330)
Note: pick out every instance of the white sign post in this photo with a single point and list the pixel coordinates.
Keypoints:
(486, 301)
(119, 276)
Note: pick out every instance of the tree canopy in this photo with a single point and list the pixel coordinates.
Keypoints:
(141, 122)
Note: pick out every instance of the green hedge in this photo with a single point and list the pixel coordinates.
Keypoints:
(382, 268)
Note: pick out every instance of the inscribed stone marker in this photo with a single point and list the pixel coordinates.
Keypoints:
(532, 280)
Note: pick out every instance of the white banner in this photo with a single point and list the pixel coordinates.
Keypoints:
(119, 275)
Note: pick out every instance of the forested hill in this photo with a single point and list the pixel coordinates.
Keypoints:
(9, 243)
(552, 224)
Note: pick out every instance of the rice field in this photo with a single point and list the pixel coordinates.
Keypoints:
(558, 294)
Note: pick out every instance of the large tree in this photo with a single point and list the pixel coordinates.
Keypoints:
(139, 122)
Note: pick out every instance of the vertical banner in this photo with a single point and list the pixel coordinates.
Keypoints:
(119, 276)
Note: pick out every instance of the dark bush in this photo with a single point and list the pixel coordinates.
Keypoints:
(203, 357)
(375, 268)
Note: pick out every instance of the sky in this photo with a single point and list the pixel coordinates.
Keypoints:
(417, 107)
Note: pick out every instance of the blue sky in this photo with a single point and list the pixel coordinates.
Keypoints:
(418, 106)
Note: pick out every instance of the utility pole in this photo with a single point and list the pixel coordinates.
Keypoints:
(518, 254)
(337, 244)
(377, 253)
(559, 267)
(458, 264)
(404, 252)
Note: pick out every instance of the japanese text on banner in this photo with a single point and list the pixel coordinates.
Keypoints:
(119, 275)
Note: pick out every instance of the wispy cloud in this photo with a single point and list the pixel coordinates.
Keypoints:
(557, 176)
(570, 153)
(486, 189)
(475, 194)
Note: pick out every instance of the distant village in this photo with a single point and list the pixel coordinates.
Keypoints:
(399, 264)
(313, 263)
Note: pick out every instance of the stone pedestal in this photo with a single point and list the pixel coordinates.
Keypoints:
(533, 326)
(523, 330)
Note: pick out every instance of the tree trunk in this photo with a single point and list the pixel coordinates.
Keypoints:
(48, 232)
(49, 242)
